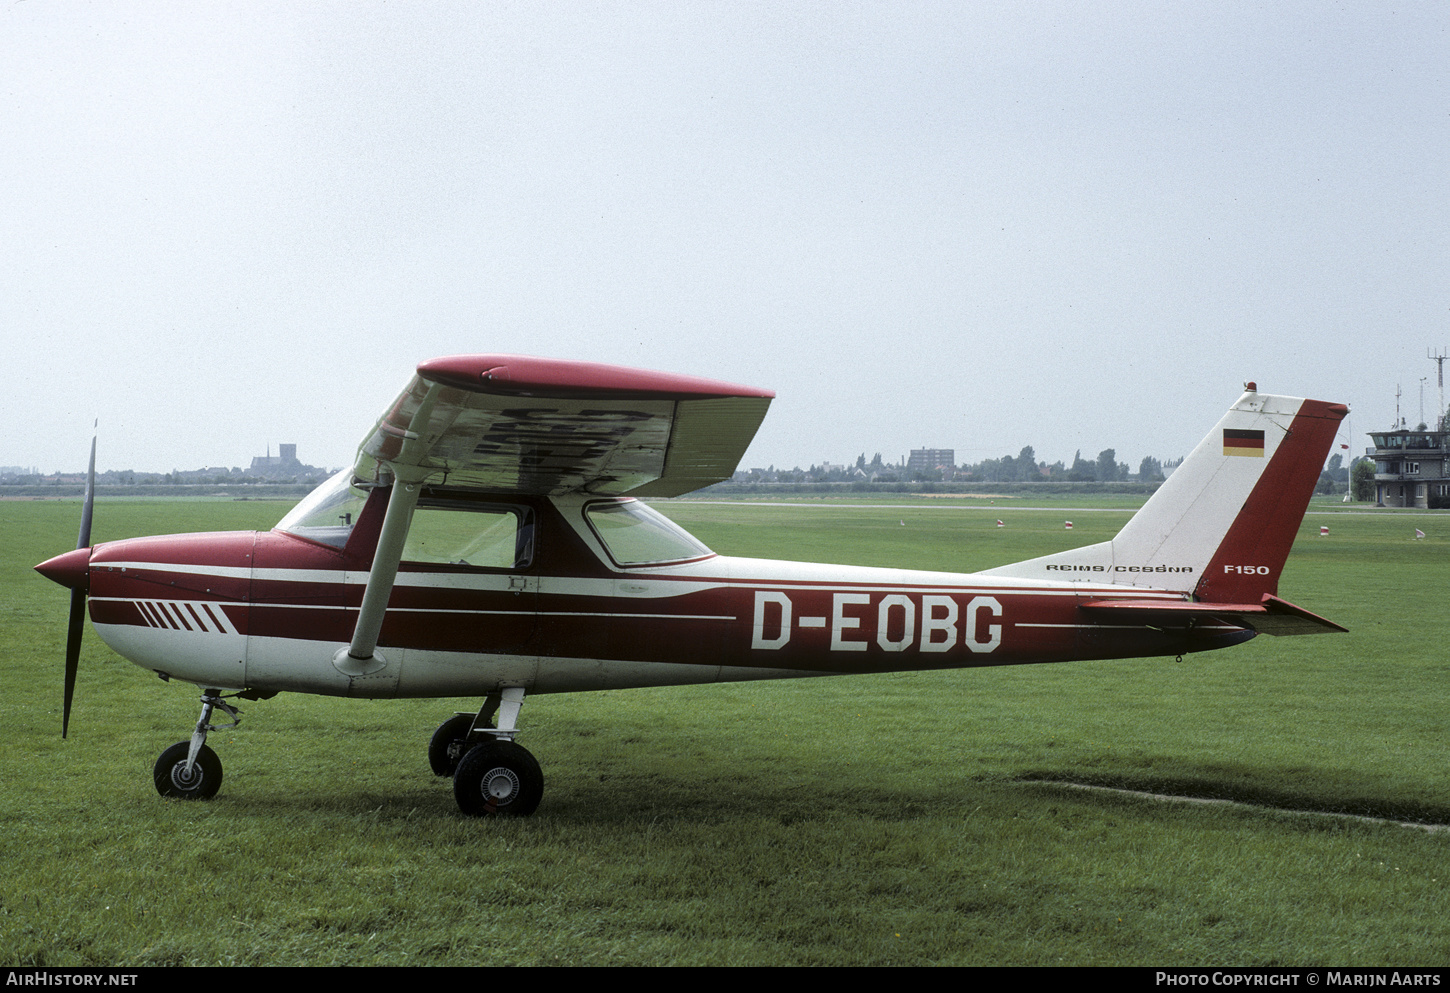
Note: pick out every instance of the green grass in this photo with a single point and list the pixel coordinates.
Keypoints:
(875, 820)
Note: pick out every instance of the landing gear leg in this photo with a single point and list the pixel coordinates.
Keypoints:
(189, 769)
(499, 777)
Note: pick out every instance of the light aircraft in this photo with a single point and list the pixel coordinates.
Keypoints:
(488, 541)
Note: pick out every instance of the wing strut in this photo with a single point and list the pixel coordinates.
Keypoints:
(360, 657)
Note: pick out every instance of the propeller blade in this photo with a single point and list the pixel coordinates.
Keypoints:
(73, 652)
(77, 627)
(84, 540)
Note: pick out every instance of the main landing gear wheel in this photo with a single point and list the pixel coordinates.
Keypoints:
(450, 743)
(498, 778)
(200, 782)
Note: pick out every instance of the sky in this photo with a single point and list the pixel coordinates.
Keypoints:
(969, 225)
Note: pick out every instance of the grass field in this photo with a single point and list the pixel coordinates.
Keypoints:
(876, 820)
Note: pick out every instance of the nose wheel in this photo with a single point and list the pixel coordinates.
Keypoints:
(189, 770)
(188, 780)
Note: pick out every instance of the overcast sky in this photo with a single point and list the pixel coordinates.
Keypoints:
(968, 225)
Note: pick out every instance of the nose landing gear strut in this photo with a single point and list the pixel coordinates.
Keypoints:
(189, 770)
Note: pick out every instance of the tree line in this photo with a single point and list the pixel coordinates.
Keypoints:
(1025, 468)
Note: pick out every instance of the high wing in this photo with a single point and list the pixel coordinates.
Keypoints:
(512, 423)
(518, 424)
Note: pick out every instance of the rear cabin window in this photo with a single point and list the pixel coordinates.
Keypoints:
(634, 534)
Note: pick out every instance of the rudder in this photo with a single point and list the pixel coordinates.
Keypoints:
(1248, 560)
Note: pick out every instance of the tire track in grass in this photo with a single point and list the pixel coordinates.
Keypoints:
(1430, 828)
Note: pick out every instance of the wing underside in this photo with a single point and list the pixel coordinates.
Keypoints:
(541, 426)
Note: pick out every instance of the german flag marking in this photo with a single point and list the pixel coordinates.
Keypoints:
(1248, 443)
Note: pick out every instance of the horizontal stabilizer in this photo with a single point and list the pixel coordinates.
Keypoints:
(1270, 616)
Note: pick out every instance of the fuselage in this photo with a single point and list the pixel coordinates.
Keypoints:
(574, 610)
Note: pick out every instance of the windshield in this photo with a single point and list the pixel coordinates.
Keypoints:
(635, 534)
(328, 513)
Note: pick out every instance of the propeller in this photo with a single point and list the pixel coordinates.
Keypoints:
(73, 569)
(78, 595)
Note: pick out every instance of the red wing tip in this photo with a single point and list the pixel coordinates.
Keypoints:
(523, 374)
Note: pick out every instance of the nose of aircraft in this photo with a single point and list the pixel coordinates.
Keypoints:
(72, 569)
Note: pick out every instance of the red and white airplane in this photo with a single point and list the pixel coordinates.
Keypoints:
(488, 541)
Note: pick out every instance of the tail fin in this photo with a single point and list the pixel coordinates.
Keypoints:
(1222, 525)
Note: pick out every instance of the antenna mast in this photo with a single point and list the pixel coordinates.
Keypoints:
(1439, 361)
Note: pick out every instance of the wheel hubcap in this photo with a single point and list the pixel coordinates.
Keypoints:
(183, 780)
(500, 784)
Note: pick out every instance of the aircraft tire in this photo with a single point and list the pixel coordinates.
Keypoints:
(454, 729)
(173, 781)
(496, 779)
(451, 730)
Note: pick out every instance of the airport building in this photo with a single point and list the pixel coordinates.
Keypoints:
(1411, 468)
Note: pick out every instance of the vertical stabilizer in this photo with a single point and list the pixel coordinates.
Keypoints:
(1222, 525)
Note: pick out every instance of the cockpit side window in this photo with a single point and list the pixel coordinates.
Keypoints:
(464, 532)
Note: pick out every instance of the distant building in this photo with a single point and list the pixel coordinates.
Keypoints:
(932, 459)
(284, 460)
(283, 465)
(1411, 468)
